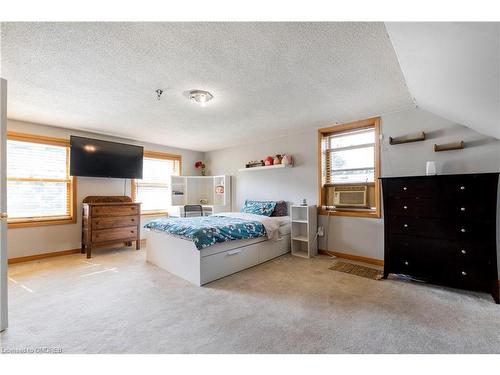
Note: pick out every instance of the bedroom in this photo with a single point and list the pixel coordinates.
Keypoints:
(250, 187)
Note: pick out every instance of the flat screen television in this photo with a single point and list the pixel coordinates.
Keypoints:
(97, 158)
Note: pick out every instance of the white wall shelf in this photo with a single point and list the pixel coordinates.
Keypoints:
(304, 228)
(276, 166)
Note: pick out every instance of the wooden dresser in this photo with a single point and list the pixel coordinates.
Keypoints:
(442, 229)
(110, 220)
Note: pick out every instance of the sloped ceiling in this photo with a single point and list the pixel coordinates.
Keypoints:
(452, 70)
(268, 79)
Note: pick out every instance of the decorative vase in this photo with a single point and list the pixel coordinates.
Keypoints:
(203, 171)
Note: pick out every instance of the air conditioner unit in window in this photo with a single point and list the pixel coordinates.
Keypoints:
(350, 196)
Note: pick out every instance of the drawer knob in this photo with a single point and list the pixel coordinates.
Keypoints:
(131, 231)
(462, 230)
(464, 273)
(405, 225)
(405, 188)
(463, 251)
(405, 207)
(462, 208)
(462, 187)
(406, 263)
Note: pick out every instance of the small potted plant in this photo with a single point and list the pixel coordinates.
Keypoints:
(201, 165)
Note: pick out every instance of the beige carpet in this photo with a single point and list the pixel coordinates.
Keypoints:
(117, 303)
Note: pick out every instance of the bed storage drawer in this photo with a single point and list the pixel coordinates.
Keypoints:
(218, 265)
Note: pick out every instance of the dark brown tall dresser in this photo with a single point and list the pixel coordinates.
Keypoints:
(442, 229)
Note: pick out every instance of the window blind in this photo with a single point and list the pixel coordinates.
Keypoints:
(349, 157)
(38, 182)
(154, 189)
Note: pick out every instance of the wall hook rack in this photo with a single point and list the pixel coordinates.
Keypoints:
(407, 138)
(449, 146)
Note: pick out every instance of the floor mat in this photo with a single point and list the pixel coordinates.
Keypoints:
(355, 269)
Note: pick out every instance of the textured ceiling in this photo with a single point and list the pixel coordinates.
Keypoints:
(453, 70)
(268, 79)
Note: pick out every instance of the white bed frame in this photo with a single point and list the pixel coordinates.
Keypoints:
(183, 259)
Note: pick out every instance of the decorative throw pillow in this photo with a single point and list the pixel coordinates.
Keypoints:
(258, 208)
(281, 209)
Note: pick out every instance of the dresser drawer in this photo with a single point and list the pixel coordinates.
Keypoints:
(442, 252)
(412, 207)
(463, 230)
(115, 222)
(466, 277)
(125, 233)
(421, 188)
(115, 210)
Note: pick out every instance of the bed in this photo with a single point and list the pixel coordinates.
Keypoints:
(201, 250)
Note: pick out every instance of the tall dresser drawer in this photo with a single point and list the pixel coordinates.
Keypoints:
(466, 277)
(411, 207)
(115, 210)
(440, 228)
(410, 188)
(113, 222)
(103, 235)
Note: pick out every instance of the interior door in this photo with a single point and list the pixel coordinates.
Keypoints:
(3, 204)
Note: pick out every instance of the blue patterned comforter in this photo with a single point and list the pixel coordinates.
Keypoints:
(208, 230)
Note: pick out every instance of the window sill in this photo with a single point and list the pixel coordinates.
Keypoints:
(39, 222)
(154, 213)
(374, 214)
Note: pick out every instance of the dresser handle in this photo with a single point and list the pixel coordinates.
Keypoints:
(462, 230)
(462, 187)
(462, 208)
(463, 251)
(131, 231)
(405, 225)
(405, 207)
(132, 219)
(464, 273)
(405, 188)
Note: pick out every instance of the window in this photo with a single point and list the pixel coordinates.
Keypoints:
(39, 188)
(153, 191)
(349, 161)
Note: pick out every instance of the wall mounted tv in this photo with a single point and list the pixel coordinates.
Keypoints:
(97, 158)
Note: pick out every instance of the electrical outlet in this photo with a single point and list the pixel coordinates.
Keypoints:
(321, 231)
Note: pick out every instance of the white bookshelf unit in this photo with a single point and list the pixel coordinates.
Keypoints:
(214, 190)
(304, 228)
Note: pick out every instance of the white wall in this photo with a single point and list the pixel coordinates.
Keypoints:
(360, 236)
(44, 239)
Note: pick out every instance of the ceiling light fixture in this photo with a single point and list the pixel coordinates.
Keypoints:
(200, 97)
(158, 93)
